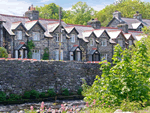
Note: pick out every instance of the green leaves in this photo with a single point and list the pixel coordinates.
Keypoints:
(3, 52)
(128, 78)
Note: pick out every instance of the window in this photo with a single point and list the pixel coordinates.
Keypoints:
(36, 36)
(19, 35)
(16, 53)
(120, 42)
(91, 42)
(140, 28)
(130, 42)
(57, 55)
(57, 37)
(103, 57)
(104, 42)
(73, 38)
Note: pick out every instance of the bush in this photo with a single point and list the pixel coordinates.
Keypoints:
(34, 94)
(44, 95)
(3, 52)
(65, 92)
(127, 78)
(79, 92)
(46, 54)
(51, 93)
(2, 96)
(14, 97)
(26, 95)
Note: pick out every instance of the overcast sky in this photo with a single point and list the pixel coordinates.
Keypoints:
(18, 7)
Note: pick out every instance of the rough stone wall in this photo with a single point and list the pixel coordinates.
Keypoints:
(17, 76)
(121, 37)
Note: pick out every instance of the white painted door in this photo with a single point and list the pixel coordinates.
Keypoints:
(79, 56)
(21, 54)
(16, 54)
(36, 54)
(26, 53)
(61, 55)
(71, 56)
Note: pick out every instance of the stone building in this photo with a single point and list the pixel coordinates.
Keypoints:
(78, 42)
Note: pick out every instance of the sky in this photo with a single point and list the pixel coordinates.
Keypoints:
(19, 7)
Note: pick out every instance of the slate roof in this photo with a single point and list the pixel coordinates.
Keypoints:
(113, 33)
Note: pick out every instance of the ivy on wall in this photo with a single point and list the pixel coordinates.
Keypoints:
(30, 45)
(46, 54)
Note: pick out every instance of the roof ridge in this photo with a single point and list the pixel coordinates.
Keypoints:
(50, 19)
(53, 23)
(30, 21)
(135, 31)
(17, 22)
(80, 25)
(13, 16)
(109, 27)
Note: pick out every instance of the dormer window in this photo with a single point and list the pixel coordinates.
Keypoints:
(36, 36)
(104, 42)
(91, 42)
(130, 42)
(140, 28)
(19, 35)
(72, 38)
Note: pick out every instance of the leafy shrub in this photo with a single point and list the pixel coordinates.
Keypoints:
(14, 97)
(30, 45)
(34, 94)
(51, 93)
(3, 52)
(2, 96)
(129, 77)
(26, 95)
(44, 95)
(46, 54)
(65, 92)
(79, 92)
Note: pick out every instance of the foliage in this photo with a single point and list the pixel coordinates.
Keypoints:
(80, 13)
(2, 96)
(46, 54)
(48, 11)
(51, 92)
(26, 95)
(128, 78)
(3, 52)
(79, 92)
(65, 92)
(127, 8)
(33, 94)
(13, 97)
(30, 45)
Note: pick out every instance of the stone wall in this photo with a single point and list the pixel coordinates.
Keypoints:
(17, 76)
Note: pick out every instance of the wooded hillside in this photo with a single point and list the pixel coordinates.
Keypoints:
(81, 13)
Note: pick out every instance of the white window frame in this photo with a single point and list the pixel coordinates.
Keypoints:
(104, 42)
(72, 38)
(57, 37)
(120, 42)
(91, 42)
(19, 35)
(130, 42)
(34, 51)
(36, 36)
(103, 55)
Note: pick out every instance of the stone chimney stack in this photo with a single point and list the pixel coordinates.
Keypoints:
(138, 16)
(95, 23)
(123, 27)
(117, 14)
(32, 14)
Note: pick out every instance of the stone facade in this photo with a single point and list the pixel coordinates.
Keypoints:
(17, 76)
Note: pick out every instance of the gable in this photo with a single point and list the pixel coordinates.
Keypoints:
(113, 23)
(36, 27)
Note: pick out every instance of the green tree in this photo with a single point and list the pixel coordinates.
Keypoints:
(30, 45)
(128, 78)
(46, 54)
(127, 8)
(80, 13)
(3, 52)
(48, 11)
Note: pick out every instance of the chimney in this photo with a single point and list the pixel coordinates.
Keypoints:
(95, 23)
(138, 16)
(123, 27)
(117, 14)
(32, 14)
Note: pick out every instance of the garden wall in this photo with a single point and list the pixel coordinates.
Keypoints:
(17, 76)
